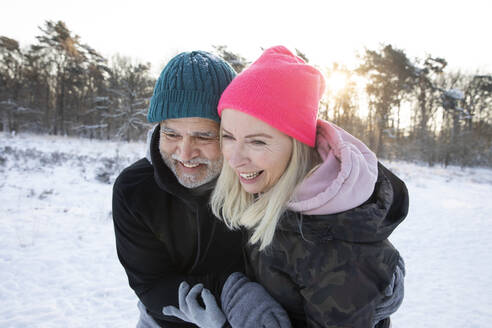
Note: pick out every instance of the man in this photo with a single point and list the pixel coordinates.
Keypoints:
(165, 231)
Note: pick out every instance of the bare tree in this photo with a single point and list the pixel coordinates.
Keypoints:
(130, 87)
(237, 61)
(341, 100)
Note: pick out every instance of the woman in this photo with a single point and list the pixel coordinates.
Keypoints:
(317, 205)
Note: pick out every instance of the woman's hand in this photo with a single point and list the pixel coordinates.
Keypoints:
(247, 304)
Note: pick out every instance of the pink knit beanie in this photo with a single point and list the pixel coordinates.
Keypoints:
(280, 89)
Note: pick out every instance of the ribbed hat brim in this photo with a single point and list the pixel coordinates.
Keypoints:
(183, 103)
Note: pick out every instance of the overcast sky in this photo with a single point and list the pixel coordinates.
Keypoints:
(325, 31)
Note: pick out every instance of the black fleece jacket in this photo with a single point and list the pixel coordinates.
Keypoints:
(166, 233)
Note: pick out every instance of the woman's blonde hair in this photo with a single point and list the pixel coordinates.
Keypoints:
(237, 208)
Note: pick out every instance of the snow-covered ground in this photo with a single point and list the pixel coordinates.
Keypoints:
(58, 265)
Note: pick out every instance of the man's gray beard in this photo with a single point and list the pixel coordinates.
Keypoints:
(190, 181)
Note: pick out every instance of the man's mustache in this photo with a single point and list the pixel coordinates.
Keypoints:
(192, 161)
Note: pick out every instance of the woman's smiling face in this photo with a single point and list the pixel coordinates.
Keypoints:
(256, 151)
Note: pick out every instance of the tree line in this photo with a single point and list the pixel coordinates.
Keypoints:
(62, 86)
(450, 119)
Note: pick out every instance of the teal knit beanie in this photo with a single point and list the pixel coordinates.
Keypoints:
(190, 86)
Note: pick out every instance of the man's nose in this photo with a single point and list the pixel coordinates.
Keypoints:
(187, 149)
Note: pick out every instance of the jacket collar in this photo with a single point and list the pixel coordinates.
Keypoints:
(372, 221)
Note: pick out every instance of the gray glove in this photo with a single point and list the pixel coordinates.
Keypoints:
(393, 294)
(189, 310)
(247, 304)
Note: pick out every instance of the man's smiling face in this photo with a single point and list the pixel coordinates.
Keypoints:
(190, 148)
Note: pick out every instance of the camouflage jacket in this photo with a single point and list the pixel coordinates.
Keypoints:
(331, 270)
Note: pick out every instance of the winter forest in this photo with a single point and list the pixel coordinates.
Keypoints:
(403, 108)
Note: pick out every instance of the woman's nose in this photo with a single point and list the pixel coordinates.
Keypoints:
(237, 156)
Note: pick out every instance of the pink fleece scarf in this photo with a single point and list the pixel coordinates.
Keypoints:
(345, 179)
